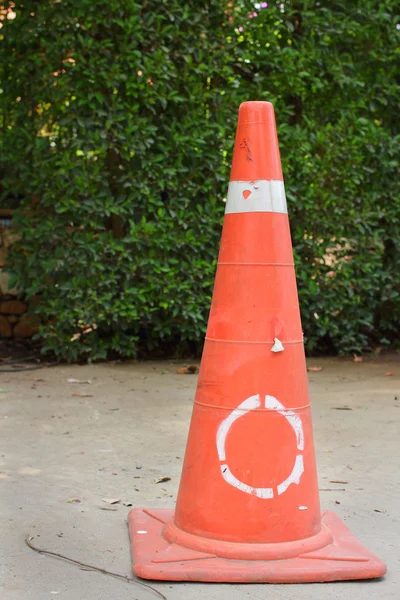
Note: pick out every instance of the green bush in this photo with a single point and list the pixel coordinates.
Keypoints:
(118, 121)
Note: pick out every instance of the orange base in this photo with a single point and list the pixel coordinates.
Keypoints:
(154, 557)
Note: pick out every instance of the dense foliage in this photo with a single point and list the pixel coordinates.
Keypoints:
(118, 120)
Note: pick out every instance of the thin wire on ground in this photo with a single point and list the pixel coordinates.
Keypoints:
(28, 541)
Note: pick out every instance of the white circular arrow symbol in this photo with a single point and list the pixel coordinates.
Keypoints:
(294, 421)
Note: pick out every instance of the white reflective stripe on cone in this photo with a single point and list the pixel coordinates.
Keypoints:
(256, 196)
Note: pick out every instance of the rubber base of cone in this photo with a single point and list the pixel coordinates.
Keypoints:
(344, 558)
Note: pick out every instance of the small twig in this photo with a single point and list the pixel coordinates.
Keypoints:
(91, 567)
(332, 489)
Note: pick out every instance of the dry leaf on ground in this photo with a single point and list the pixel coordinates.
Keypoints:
(314, 369)
(188, 370)
(111, 500)
(162, 479)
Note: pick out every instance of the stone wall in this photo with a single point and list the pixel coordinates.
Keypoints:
(15, 322)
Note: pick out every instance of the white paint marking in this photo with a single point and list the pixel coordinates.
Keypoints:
(278, 346)
(243, 408)
(141, 531)
(259, 492)
(294, 420)
(294, 476)
(303, 507)
(265, 196)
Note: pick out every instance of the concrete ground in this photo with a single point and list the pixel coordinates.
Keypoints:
(67, 446)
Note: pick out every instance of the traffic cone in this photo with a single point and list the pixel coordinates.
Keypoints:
(248, 504)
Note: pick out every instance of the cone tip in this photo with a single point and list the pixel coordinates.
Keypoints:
(256, 111)
(256, 152)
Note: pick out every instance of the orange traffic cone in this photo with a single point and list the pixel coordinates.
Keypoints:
(248, 504)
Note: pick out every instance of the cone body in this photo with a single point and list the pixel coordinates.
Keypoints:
(248, 503)
(254, 303)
